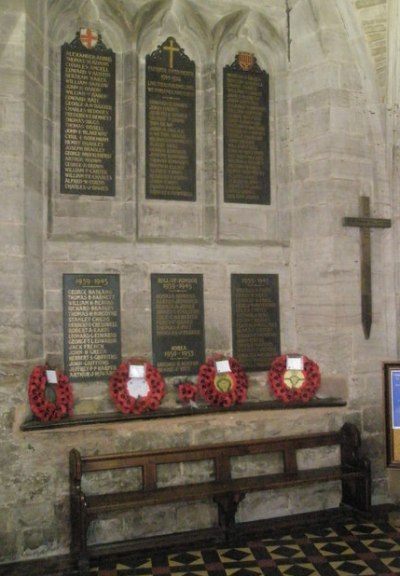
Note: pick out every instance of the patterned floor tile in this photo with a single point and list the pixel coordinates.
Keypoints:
(333, 548)
(297, 569)
(285, 551)
(362, 549)
(352, 567)
(383, 545)
(392, 564)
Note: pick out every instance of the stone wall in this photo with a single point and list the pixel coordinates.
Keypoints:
(327, 148)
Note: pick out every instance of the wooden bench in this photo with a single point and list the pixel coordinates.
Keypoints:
(224, 489)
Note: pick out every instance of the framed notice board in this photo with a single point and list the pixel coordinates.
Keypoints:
(391, 372)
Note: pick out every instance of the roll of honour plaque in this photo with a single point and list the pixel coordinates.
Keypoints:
(255, 319)
(177, 323)
(246, 132)
(92, 325)
(170, 124)
(87, 116)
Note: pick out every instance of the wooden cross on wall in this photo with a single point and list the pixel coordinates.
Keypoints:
(365, 223)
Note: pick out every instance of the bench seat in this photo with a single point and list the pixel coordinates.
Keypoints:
(224, 488)
(114, 502)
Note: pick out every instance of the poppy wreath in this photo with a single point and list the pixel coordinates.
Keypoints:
(41, 407)
(127, 404)
(222, 389)
(187, 392)
(294, 386)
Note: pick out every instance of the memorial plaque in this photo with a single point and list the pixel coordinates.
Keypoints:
(170, 124)
(246, 132)
(92, 325)
(177, 323)
(255, 319)
(87, 116)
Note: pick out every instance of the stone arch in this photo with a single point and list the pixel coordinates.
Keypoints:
(64, 20)
(104, 15)
(153, 24)
(255, 32)
(250, 31)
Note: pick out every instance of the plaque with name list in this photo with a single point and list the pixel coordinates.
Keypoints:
(246, 132)
(92, 325)
(87, 116)
(177, 323)
(255, 320)
(170, 124)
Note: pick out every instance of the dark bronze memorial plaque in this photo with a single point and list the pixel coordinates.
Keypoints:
(92, 325)
(255, 319)
(170, 124)
(246, 132)
(177, 323)
(87, 116)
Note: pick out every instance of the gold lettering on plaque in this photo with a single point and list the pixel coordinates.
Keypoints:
(88, 117)
(170, 124)
(256, 319)
(92, 327)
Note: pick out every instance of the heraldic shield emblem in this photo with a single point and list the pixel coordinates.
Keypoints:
(246, 60)
(88, 38)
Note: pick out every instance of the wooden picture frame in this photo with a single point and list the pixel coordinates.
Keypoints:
(391, 377)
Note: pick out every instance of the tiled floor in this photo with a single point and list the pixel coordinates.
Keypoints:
(362, 548)
(365, 549)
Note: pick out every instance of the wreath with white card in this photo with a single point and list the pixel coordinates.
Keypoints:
(136, 387)
(294, 378)
(222, 382)
(50, 394)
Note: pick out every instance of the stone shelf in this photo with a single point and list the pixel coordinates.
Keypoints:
(112, 417)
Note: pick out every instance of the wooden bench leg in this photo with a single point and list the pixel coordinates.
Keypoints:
(356, 492)
(84, 566)
(227, 508)
(79, 526)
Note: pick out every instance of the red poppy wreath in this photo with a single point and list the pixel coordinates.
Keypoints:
(222, 388)
(38, 391)
(136, 395)
(291, 385)
(187, 392)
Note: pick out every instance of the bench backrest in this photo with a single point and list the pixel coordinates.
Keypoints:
(221, 454)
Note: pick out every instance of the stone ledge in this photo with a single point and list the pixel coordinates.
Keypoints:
(112, 417)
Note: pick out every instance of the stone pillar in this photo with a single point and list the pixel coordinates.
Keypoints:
(21, 239)
(21, 168)
(393, 162)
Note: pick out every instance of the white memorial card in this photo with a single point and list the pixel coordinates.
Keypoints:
(294, 363)
(51, 376)
(137, 387)
(222, 366)
(136, 371)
